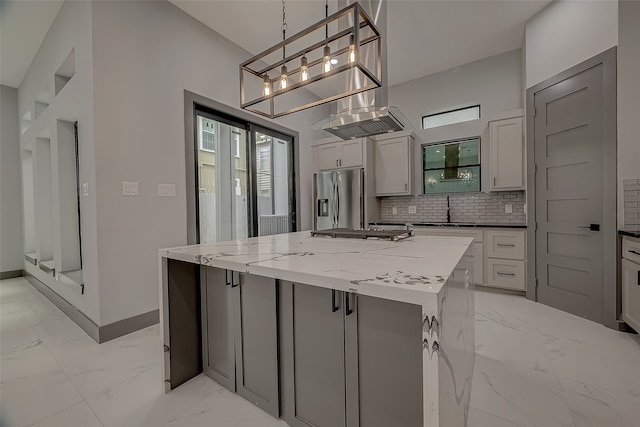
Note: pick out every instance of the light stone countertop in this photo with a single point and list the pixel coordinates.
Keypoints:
(409, 270)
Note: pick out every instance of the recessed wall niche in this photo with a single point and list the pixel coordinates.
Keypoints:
(42, 102)
(25, 122)
(67, 185)
(43, 200)
(66, 71)
(28, 211)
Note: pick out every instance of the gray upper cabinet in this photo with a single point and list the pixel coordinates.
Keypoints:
(349, 360)
(506, 146)
(240, 335)
(340, 154)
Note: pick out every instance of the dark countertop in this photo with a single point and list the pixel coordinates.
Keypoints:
(444, 224)
(631, 231)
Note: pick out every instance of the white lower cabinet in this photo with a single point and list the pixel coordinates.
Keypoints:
(631, 282)
(497, 255)
(505, 273)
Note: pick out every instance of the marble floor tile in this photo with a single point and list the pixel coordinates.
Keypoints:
(225, 409)
(479, 418)
(535, 366)
(78, 415)
(521, 347)
(33, 399)
(593, 406)
(522, 396)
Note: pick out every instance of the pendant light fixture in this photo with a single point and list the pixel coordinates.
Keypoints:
(304, 69)
(326, 57)
(317, 56)
(284, 77)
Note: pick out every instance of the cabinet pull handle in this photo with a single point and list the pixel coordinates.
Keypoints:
(631, 251)
(505, 245)
(494, 181)
(235, 279)
(347, 299)
(334, 306)
(228, 277)
(340, 162)
(336, 162)
(638, 278)
(502, 273)
(405, 186)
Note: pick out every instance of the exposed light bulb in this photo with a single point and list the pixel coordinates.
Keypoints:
(326, 61)
(284, 78)
(266, 91)
(352, 50)
(304, 69)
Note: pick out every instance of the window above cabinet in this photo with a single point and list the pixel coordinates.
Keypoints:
(451, 167)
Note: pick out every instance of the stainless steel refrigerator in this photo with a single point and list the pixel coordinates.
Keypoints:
(339, 199)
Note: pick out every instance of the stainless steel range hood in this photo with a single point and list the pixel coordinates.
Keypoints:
(367, 113)
(365, 121)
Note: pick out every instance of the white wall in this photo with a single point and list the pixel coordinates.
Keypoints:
(495, 83)
(566, 33)
(628, 97)
(11, 257)
(146, 54)
(71, 29)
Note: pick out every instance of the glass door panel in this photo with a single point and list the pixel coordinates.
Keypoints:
(222, 180)
(274, 197)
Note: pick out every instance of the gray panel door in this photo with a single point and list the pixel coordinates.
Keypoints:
(384, 359)
(256, 340)
(315, 390)
(568, 129)
(217, 322)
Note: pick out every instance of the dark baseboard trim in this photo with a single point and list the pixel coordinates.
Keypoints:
(99, 334)
(126, 326)
(10, 274)
(67, 308)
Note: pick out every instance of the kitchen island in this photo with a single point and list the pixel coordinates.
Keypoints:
(326, 332)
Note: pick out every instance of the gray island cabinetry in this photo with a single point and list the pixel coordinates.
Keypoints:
(326, 332)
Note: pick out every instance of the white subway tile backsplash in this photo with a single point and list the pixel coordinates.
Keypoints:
(485, 208)
(631, 201)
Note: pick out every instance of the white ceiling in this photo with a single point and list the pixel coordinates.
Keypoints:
(424, 36)
(23, 25)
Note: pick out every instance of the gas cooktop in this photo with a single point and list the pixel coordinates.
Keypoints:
(349, 233)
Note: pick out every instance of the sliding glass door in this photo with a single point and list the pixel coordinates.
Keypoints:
(274, 179)
(244, 177)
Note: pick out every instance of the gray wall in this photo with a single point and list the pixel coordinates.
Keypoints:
(141, 72)
(71, 29)
(566, 33)
(11, 257)
(495, 83)
(628, 97)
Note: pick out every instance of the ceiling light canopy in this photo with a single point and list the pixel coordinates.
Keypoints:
(337, 57)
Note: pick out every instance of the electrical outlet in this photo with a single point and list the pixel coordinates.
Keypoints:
(412, 209)
(85, 189)
(394, 210)
(508, 208)
(129, 188)
(166, 190)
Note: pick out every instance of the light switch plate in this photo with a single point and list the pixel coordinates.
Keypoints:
(129, 188)
(166, 190)
(85, 189)
(412, 209)
(394, 210)
(508, 208)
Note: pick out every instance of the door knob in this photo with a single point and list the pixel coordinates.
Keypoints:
(592, 227)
